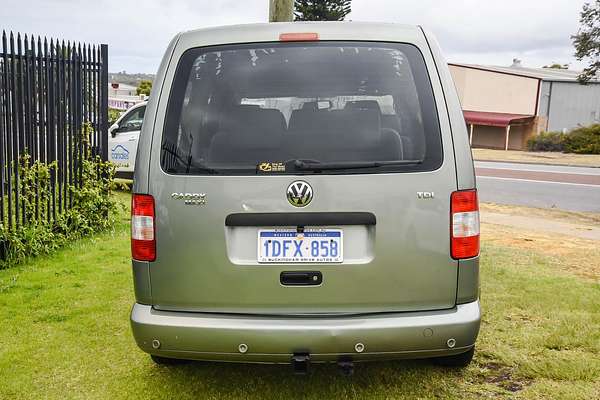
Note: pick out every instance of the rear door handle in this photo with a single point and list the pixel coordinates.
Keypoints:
(301, 278)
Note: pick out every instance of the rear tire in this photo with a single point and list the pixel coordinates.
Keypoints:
(158, 360)
(461, 360)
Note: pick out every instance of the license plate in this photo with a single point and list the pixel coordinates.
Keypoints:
(310, 246)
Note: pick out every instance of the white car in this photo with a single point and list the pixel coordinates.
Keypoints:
(123, 140)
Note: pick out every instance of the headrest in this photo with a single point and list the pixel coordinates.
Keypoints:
(200, 121)
(310, 106)
(361, 129)
(363, 105)
(248, 107)
(347, 129)
(312, 122)
(252, 127)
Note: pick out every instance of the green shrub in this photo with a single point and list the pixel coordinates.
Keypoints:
(584, 140)
(92, 209)
(113, 115)
(546, 141)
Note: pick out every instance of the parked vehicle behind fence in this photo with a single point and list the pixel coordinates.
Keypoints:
(304, 192)
(123, 139)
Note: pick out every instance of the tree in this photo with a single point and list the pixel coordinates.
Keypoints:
(322, 10)
(556, 66)
(144, 88)
(587, 40)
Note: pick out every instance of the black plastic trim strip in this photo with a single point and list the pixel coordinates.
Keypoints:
(301, 219)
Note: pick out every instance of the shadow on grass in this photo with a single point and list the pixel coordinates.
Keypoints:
(382, 379)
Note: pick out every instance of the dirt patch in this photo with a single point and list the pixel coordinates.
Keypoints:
(583, 218)
(571, 254)
(503, 377)
(544, 225)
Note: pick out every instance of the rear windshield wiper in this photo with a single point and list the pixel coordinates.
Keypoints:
(189, 163)
(322, 166)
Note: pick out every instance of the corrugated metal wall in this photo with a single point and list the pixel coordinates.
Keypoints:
(544, 101)
(569, 104)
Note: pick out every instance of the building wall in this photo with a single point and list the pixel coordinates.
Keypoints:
(122, 90)
(569, 104)
(544, 102)
(489, 91)
(493, 137)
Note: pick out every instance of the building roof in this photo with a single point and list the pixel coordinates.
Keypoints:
(546, 74)
(494, 119)
(121, 86)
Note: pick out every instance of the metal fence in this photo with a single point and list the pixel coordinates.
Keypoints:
(53, 110)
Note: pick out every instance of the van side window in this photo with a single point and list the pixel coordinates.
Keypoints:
(234, 107)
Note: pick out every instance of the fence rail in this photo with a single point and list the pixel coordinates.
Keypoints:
(53, 110)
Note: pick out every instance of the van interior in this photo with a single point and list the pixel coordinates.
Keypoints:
(327, 102)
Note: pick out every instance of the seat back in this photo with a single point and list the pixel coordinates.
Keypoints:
(352, 134)
(247, 134)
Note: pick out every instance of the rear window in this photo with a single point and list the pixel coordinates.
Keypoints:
(350, 107)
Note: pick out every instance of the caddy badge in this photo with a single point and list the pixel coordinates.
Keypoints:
(192, 199)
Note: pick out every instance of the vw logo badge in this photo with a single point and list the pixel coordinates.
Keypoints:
(299, 193)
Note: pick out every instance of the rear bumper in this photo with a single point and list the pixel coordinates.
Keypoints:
(217, 337)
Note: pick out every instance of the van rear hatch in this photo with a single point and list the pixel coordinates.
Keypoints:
(301, 178)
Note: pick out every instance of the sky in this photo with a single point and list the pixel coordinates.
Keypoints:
(490, 32)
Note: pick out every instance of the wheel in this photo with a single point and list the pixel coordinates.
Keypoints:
(166, 361)
(458, 360)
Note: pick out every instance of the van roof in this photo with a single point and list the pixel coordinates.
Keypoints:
(269, 32)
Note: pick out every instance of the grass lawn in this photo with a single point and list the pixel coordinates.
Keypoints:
(582, 160)
(64, 333)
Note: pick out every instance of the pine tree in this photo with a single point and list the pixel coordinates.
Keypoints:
(321, 10)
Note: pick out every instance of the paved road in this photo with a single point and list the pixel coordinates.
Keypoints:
(535, 185)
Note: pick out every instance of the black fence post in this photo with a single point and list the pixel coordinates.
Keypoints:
(103, 101)
(48, 91)
(4, 124)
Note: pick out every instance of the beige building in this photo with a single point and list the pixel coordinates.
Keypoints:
(505, 106)
(500, 107)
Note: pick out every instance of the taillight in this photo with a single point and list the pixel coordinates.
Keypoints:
(464, 228)
(143, 243)
(299, 37)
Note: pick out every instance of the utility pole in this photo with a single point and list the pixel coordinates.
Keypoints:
(281, 10)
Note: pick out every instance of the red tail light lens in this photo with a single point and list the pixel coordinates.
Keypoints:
(464, 224)
(143, 243)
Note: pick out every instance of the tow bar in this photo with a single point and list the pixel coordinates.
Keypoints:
(300, 363)
(346, 367)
